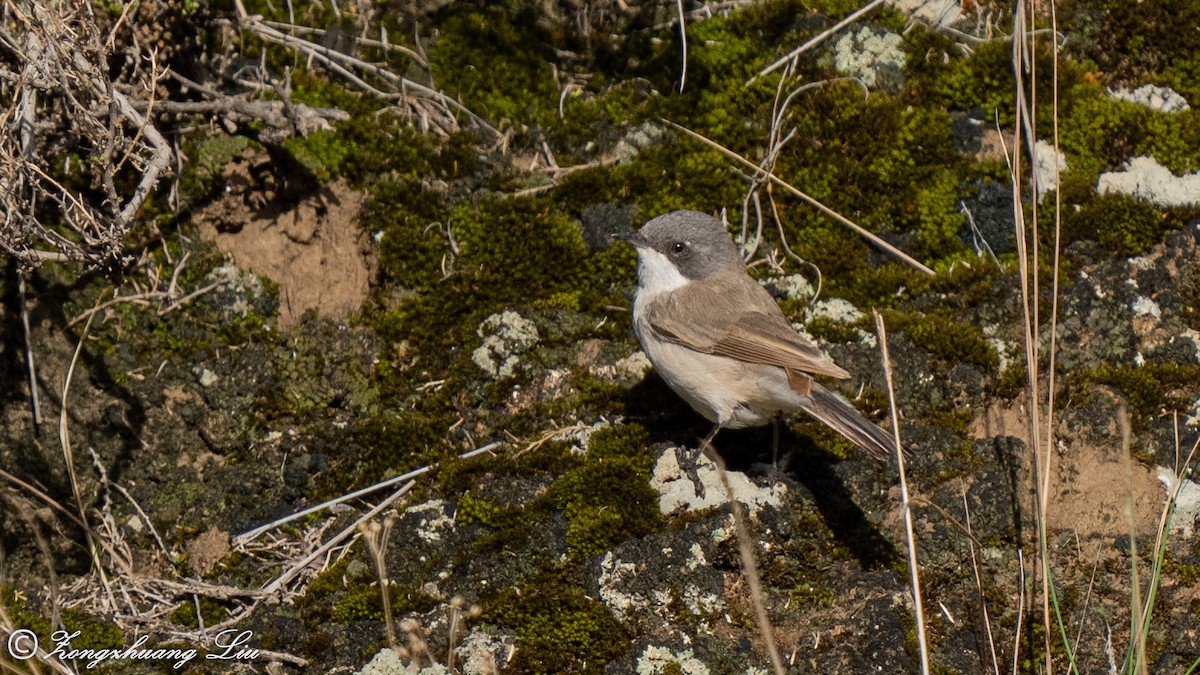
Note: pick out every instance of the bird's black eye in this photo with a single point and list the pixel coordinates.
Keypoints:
(678, 247)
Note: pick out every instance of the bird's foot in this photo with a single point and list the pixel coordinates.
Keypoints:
(778, 470)
(689, 463)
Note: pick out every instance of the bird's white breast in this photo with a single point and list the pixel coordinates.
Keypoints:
(725, 390)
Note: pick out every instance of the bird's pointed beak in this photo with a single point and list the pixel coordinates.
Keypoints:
(634, 238)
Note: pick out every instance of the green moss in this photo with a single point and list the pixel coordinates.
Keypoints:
(956, 420)
(945, 338)
(362, 601)
(1099, 133)
(939, 218)
(801, 570)
(94, 633)
(939, 73)
(567, 301)
(1184, 77)
(471, 509)
(591, 395)
(327, 582)
(1012, 381)
(213, 611)
(825, 439)
(665, 177)
(320, 153)
(1123, 225)
(388, 444)
(829, 330)
(559, 628)
(1133, 41)
(1149, 388)
(208, 154)
(497, 267)
(497, 59)
(608, 498)
(340, 595)
(969, 279)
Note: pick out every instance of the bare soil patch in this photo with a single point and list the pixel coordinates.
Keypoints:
(313, 247)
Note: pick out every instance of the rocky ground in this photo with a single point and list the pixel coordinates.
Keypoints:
(431, 299)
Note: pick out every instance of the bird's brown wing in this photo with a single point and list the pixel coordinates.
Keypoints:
(755, 331)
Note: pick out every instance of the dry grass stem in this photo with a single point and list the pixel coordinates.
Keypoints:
(247, 537)
(549, 435)
(30, 364)
(683, 44)
(909, 537)
(64, 437)
(870, 236)
(791, 56)
(280, 582)
(983, 607)
(750, 568)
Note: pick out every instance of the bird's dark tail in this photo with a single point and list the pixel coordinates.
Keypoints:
(843, 418)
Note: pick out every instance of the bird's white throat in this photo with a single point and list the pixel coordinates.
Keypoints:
(657, 274)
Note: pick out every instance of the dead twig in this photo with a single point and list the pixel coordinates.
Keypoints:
(291, 573)
(345, 65)
(683, 43)
(366, 42)
(246, 537)
(31, 368)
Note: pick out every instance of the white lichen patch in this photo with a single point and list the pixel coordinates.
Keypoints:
(936, 12)
(655, 660)
(1140, 263)
(1050, 163)
(633, 366)
(579, 438)
(700, 603)
(506, 337)
(791, 286)
(837, 309)
(1146, 179)
(1193, 416)
(207, 378)
(388, 662)
(677, 492)
(618, 579)
(1143, 306)
(1162, 99)
(485, 653)
(1193, 335)
(613, 575)
(434, 519)
(868, 55)
(245, 287)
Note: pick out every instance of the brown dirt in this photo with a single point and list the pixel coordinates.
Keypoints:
(1092, 485)
(313, 249)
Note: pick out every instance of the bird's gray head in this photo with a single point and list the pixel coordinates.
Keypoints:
(694, 243)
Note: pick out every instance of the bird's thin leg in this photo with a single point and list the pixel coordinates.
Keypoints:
(775, 441)
(706, 444)
(689, 461)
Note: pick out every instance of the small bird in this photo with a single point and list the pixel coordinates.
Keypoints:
(718, 339)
